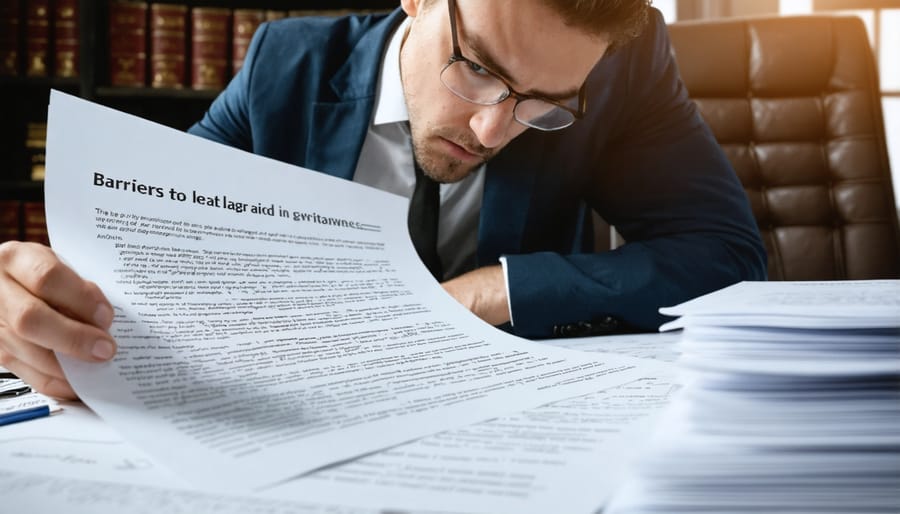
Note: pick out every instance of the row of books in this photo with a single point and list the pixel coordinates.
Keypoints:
(24, 162)
(36, 149)
(23, 221)
(48, 31)
(199, 47)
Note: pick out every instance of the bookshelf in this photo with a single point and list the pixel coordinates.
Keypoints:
(23, 98)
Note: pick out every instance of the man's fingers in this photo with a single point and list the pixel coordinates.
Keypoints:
(40, 382)
(47, 307)
(41, 273)
(32, 320)
(37, 357)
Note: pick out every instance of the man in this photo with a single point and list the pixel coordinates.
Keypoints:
(529, 112)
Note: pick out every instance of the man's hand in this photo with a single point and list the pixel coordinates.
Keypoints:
(483, 292)
(46, 307)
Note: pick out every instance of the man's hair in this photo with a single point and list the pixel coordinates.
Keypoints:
(618, 20)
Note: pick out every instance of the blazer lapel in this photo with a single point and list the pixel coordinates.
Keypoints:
(335, 143)
(341, 122)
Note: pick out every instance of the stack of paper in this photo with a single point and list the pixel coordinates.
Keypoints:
(791, 403)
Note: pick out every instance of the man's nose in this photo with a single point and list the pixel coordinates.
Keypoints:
(490, 123)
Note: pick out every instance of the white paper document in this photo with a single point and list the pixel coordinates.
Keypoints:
(77, 444)
(835, 304)
(656, 346)
(563, 457)
(271, 320)
(78, 496)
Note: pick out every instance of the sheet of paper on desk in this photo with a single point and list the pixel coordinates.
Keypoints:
(541, 460)
(834, 304)
(271, 320)
(565, 457)
(659, 346)
(80, 496)
(77, 444)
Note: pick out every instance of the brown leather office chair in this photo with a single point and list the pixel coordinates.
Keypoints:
(794, 103)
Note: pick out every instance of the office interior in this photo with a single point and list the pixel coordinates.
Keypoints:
(23, 104)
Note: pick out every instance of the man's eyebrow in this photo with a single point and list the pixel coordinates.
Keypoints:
(484, 57)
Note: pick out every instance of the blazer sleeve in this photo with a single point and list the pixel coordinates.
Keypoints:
(665, 184)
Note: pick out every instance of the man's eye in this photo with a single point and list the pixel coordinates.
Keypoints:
(477, 69)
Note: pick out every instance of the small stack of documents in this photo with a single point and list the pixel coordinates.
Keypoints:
(18, 402)
(791, 402)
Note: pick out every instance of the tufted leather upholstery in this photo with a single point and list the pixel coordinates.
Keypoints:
(794, 103)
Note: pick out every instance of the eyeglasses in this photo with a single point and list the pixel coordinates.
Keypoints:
(471, 82)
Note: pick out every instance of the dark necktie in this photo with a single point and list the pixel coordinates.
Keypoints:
(422, 221)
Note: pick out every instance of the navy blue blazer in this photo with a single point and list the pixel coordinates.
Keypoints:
(642, 158)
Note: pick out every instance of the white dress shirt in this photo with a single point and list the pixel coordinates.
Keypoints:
(386, 163)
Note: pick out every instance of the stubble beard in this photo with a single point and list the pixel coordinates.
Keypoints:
(438, 165)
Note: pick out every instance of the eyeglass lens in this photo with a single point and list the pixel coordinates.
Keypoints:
(481, 87)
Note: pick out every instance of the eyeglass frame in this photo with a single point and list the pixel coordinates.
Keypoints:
(457, 56)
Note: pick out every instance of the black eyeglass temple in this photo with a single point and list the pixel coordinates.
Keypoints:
(451, 6)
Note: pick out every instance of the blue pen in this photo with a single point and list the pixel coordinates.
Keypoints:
(24, 415)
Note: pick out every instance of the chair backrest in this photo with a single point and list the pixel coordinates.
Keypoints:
(794, 103)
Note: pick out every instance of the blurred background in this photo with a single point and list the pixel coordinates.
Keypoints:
(166, 61)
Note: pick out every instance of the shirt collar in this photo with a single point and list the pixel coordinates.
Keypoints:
(390, 106)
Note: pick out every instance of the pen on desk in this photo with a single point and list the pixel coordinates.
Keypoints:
(25, 415)
(15, 392)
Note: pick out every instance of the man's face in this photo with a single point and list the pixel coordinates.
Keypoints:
(522, 41)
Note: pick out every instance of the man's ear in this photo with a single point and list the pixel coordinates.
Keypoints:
(410, 7)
